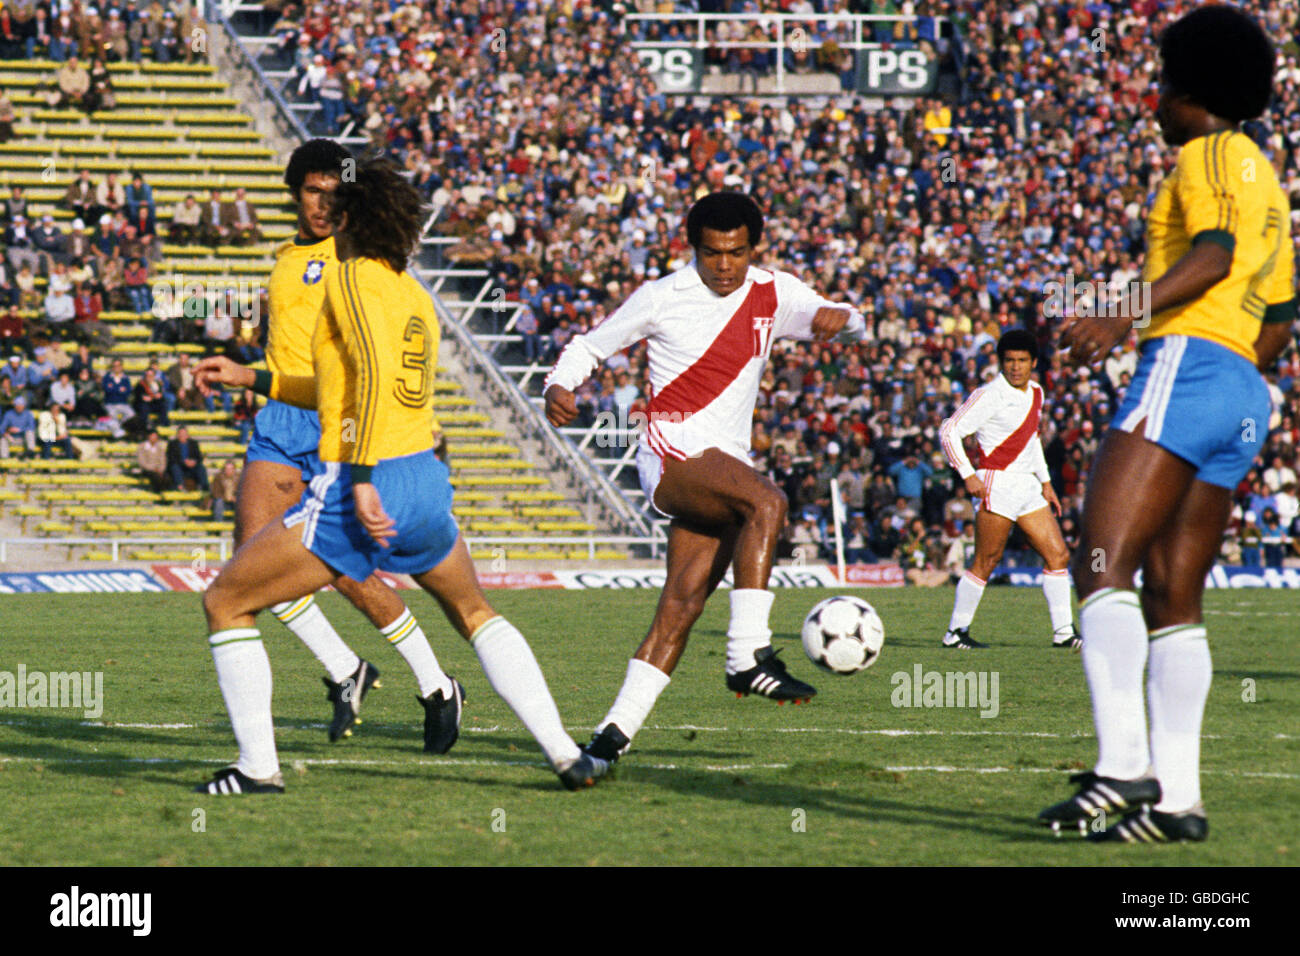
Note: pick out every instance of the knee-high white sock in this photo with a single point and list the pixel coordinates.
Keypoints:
(513, 673)
(641, 688)
(406, 635)
(1114, 657)
(309, 625)
(1056, 588)
(748, 631)
(1177, 686)
(969, 591)
(244, 676)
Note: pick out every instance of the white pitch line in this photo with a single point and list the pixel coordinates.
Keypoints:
(496, 728)
(943, 769)
(339, 762)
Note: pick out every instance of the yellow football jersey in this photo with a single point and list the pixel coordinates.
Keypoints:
(374, 356)
(296, 293)
(1224, 190)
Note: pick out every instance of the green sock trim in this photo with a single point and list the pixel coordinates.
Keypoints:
(484, 626)
(1176, 628)
(234, 635)
(292, 615)
(1107, 592)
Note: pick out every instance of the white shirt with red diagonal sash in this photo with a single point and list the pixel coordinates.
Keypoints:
(706, 353)
(1004, 420)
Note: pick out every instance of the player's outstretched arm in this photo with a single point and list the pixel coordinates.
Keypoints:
(219, 370)
(299, 390)
(561, 406)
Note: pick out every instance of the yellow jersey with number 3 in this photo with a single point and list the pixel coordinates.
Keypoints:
(374, 355)
(1224, 190)
(296, 291)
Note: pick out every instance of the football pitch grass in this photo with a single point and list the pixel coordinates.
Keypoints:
(847, 779)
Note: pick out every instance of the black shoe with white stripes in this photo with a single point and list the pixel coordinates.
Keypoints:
(768, 678)
(347, 695)
(229, 781)
(1097, 796)
(1072, 641)
(608, 745)
(1149, 825)
(442, 717)
(961, 640)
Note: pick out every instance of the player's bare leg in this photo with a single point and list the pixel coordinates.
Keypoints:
(1151, 483)
(509, 664)
(267, 490)
(991, 532)
(1044, 535)
(1179, 668)
(272, 567)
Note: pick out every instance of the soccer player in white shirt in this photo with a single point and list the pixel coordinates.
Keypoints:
(710, 328)
(1012, 486)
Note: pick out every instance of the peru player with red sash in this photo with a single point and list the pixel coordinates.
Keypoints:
(709, 328)
(1012, 486)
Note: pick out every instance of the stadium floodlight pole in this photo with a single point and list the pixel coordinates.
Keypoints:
(837, 518)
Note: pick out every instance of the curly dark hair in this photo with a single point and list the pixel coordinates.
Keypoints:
(1221, 59)
(314, 156)
(724, 211)
(1018, 340)
(385, 213)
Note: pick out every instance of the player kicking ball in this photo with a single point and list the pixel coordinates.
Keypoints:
(710, 328)
(1012, 486)
(282, 457)
(1222, 301)
(382, 499)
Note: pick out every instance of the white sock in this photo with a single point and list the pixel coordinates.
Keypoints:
(513, 673)
(1177, 685)
(641, 688)
(406, 635)
(244, 676)
(969, 591)
(309, 625)
(1114, 657)
(1056, 588)
(748, 631)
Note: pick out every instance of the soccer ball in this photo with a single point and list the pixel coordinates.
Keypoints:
(843, 635)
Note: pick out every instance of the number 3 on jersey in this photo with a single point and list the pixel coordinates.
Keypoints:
(415, 384)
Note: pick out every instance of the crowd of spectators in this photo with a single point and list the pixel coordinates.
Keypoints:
(108, 32)
(556, 164)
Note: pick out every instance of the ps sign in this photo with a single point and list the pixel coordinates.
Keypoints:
(675, 70)
(896, 72)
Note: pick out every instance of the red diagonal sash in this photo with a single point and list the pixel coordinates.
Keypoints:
(1015, 443)
(724, 359)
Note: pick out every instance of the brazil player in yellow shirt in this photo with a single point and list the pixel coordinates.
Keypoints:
(381, 498)
(1219, 263)
(281, 459)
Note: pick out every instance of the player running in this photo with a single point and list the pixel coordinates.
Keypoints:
(381, 499)
(1012, 486)
(281, 459)
(710, 328)
(1222, 300)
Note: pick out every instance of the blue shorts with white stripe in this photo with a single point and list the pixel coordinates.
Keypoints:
(1202, 402)
(416, 493)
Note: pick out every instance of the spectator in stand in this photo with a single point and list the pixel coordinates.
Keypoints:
(185, 460)
(13, 337)
(186, 217)
(52, 432)
(63, 393)
(60, 313)
(18, 427)
(1275, 540)
(244, 229)
(148, 400)
(19, 378)
(138, 195)
(243, 412)
(74, 86)
(1250, 540)
(181, 379)
(8, 117)
(218, 219)
(82, 197)
(224, 488)
(151, 456)
(101, 95)
(90, 400)
(117, 390)
(136, 280)
(20, 246)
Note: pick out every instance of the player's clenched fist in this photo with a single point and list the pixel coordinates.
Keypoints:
(219, 370)
(561, 406)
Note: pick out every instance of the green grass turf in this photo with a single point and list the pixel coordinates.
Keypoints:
(712, 779)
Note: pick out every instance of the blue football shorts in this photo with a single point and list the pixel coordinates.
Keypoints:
(416, 493)
(286, 435)
(1202, 402)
